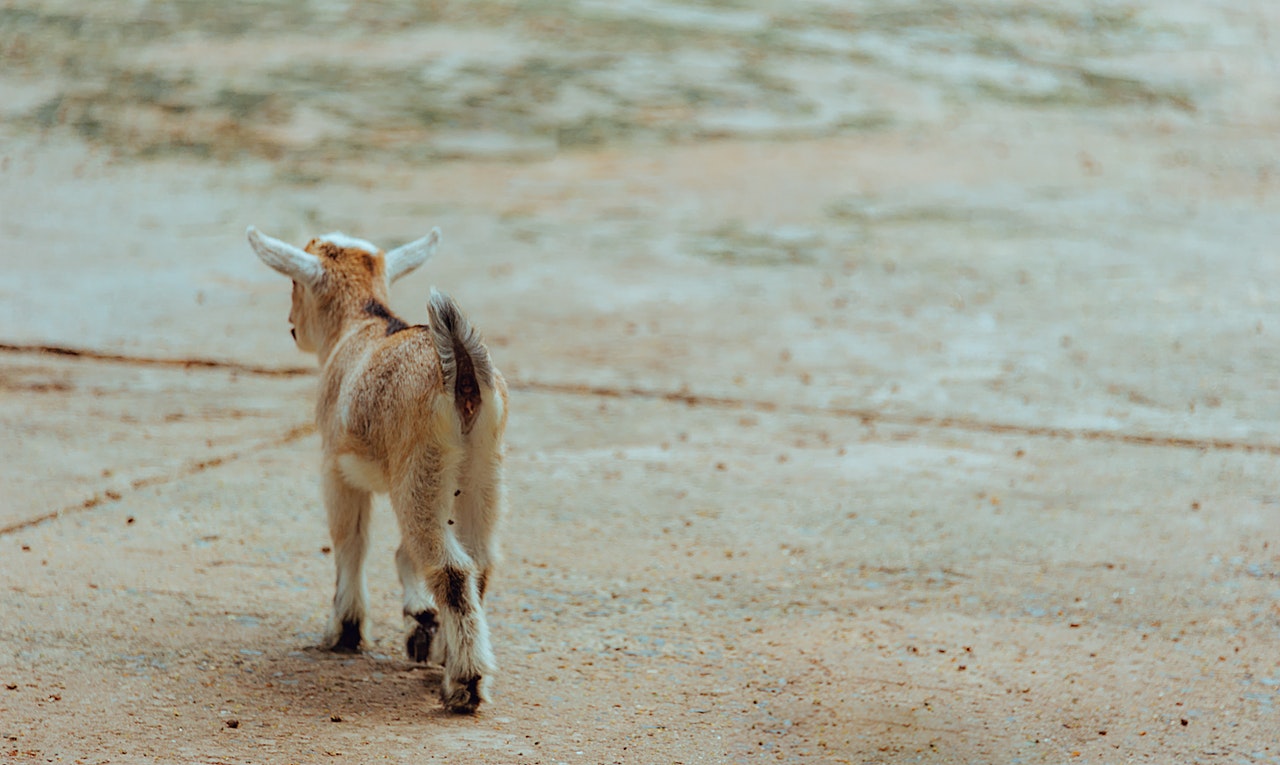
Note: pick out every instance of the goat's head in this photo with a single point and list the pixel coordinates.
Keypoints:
(336, 274)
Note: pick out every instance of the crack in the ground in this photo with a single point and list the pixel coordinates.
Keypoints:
(870, 417)
(867, 417)
(145, 361)
(191, 468)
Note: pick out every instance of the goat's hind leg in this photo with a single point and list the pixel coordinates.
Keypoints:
(348, 511)
(478, 509)
(423, 509)
(419, 611)
(468, 657)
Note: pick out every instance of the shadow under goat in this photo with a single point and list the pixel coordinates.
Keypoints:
(417, 412)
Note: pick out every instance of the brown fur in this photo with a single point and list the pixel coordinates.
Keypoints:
(401, 375)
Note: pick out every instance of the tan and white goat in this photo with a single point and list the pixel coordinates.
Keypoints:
(414, 411)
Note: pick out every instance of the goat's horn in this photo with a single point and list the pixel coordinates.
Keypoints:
(297, 264)
(404, 259)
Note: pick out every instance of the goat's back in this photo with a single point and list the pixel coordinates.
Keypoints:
(386, 395)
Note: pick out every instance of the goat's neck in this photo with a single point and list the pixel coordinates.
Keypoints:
(353, 324)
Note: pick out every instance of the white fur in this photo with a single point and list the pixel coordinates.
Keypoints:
(363, 474)
(417, 598)
(342, 240)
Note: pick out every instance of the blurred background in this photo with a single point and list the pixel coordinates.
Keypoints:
(997, 183)
(311, 82)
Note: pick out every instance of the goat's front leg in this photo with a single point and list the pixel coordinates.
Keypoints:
(424, 508)
(348, 510)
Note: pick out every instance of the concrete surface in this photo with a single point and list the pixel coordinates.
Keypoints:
(891, 383)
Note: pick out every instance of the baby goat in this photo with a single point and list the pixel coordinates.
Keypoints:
(415, 411)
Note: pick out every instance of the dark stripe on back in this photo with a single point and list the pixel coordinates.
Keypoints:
(373, 307)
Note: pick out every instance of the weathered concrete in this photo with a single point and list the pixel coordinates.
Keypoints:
(936, 422)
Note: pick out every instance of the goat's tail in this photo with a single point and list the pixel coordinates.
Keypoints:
(464, 360)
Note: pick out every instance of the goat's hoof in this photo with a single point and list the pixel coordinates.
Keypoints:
(418, 646)
(348, 640)
(464, 697)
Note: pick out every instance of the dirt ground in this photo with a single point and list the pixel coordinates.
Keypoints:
(893, 382)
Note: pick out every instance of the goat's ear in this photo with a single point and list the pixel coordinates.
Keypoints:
(299, 265)
(404, 259)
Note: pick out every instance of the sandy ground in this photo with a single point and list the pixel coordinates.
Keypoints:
(891, 382)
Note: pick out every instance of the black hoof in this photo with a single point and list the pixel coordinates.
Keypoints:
(348, 639)
(465, 698)
(418, 646)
